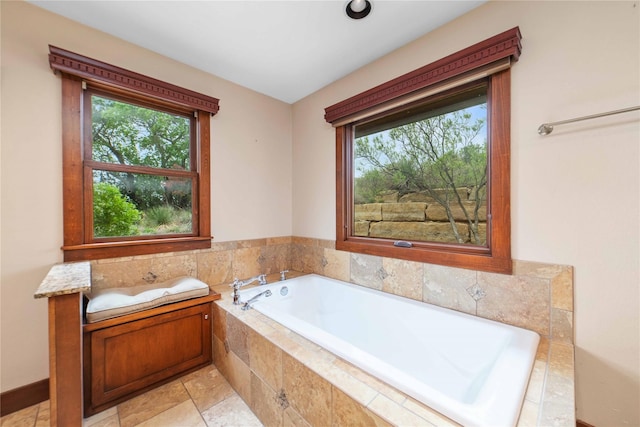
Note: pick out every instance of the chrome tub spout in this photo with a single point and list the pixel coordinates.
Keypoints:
(247, 305)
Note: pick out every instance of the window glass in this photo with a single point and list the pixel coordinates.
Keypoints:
(140, 160)
(130, 134)
(420, 174)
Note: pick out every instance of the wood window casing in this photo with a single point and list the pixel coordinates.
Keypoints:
(496, 255)
(76, 72)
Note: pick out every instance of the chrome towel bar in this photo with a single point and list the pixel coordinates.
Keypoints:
(547, 128)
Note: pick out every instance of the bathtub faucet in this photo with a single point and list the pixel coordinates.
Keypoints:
(247, 305)
(237, 284)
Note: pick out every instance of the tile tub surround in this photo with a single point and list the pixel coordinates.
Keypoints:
(536, 296)
(215, 266)
(288, 380)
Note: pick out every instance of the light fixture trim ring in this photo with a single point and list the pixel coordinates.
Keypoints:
(358, 15)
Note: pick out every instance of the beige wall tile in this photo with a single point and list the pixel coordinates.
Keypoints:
(348, 413)
(274, 258)
(220, 356)
(447, 287)
(265, 359)
(219, 322)
(562, 325)
(337, 264)
(307, 392)
(264, 403)
(367, 270)
(237, 337)
(215, 268)
(562, 289)
(251, 243)
(403, 278)
(239, 376)
(307, 258)
(283, 240)
(536, 269)
(170, 267)
(246, 262)
(307, 241)
(120, 274)
(561, 359)
(326, 244)
(517, 300)
(222, 246)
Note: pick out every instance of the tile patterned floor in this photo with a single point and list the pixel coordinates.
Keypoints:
(200, 399)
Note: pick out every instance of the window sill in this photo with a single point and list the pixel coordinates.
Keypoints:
(468, 258)
(92, 251)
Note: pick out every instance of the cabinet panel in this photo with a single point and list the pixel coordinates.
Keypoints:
(126, 359)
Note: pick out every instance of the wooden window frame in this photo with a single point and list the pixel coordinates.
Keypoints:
(76, 73)
(490, 60)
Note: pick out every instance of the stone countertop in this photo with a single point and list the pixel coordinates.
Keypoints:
(65, 278)
(549, 399)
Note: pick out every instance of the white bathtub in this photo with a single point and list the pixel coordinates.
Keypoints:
(473, 370)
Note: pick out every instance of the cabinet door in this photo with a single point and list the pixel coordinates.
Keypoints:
(134, 356)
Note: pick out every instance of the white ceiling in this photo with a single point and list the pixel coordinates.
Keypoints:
(284, 49)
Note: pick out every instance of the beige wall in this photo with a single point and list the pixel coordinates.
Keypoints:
(575, 62)
(251, 166)
(578, 58)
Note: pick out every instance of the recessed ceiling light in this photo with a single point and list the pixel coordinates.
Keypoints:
(358, 9)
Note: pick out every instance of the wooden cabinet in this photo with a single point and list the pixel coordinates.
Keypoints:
(131, 354)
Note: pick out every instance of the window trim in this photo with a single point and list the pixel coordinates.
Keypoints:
(74, 70)
(496, 256)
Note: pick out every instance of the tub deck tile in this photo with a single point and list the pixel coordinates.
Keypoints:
(428, 414)
(395, 413)
(346, 412)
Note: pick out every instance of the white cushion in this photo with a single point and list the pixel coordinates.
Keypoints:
(114, 302)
